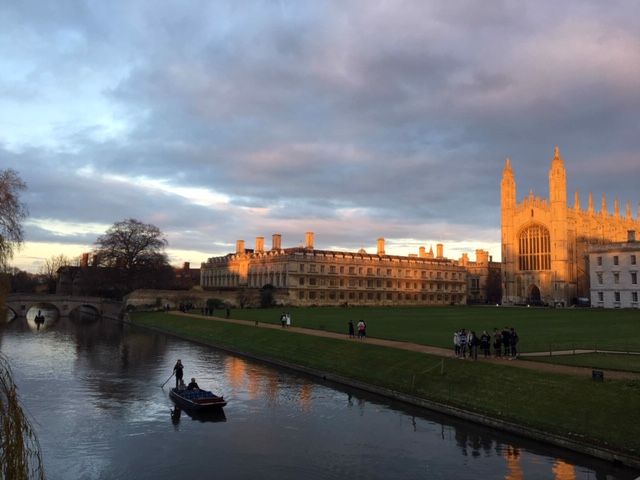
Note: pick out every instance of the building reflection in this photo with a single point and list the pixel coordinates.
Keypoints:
(563, 471)
(512, 455)
(236, 370)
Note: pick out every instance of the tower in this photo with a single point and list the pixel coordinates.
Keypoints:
(508, 206)
(558, 224)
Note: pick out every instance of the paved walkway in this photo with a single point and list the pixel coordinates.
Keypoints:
(442, 352)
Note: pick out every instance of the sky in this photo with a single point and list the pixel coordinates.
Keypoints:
(354, 119)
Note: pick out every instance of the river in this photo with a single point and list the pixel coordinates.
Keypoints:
(92, 389)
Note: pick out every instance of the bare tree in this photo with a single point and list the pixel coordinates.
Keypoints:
(130, 244)
(133, 247)
(50, 267)
(12, 213)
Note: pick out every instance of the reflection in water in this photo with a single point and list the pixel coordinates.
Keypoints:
(215, 415)
(564, 471)
(42, 317)
(277, 425)
(513, 464)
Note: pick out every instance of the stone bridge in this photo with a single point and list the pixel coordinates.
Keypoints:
(21, 303)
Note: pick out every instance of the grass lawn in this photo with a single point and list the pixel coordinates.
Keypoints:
(598, 413)
(628, 363)
(539, 329)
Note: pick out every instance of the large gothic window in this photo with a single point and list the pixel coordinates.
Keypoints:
(534, 248)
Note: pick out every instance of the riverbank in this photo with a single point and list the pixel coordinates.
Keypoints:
(568, 411)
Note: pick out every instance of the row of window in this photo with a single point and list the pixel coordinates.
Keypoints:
(616, 260)
(616, 277)
(616, 297)
(370, 283)
(378, 296)
(352, 270)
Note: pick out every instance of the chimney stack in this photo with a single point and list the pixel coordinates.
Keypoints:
(421, 252)
(308, 240)
(84, 260)
(239, 247)
(276, 241)
(381, 246)
(185, 266)
(482, 256)
(259, 244)
(439, 250)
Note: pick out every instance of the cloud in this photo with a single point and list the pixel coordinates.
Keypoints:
(353, 119)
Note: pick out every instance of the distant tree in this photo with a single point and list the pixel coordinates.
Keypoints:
(134, 247)
(12, 213)
(50, 267)
(130, 243)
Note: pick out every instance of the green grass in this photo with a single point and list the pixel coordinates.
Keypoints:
(628, 363)
(539, 329)
(596, 413)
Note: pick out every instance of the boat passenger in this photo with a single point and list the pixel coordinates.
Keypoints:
(193, 385)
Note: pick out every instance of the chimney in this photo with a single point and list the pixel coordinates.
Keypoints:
(421, 252)
(259, 244)
(276, 241)
(309, 240)
(185, 266)
(464, 261)
(239, 247)
(482, 256)
(631, 235)
(84, 260)
(381, 246)
(439, 250)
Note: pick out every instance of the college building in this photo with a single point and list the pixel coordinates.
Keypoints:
(304, 276)
(614, 274)
(546, 244)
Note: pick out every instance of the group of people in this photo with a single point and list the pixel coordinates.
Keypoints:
(285, 320)
(178, 371)
(504, 343)
(362, 330)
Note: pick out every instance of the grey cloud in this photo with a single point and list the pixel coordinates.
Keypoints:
(404, 111)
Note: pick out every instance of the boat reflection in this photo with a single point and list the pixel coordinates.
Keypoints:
(41, 318)
(215, 415)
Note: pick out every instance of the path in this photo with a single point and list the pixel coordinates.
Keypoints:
(431, 350)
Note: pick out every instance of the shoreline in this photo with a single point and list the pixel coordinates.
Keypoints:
(610, 455)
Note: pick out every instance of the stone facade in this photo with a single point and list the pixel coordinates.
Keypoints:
(545, 243)
(483, 278)
(302, 276)
(614, 274)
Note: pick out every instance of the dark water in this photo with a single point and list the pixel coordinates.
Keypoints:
(92, 387)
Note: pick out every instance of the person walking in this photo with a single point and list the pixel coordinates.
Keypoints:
(288, 320)
(361, 330)
(352, 333)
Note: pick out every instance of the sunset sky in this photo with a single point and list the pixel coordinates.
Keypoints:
(219, 120)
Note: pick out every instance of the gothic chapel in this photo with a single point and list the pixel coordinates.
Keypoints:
(545, 242)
